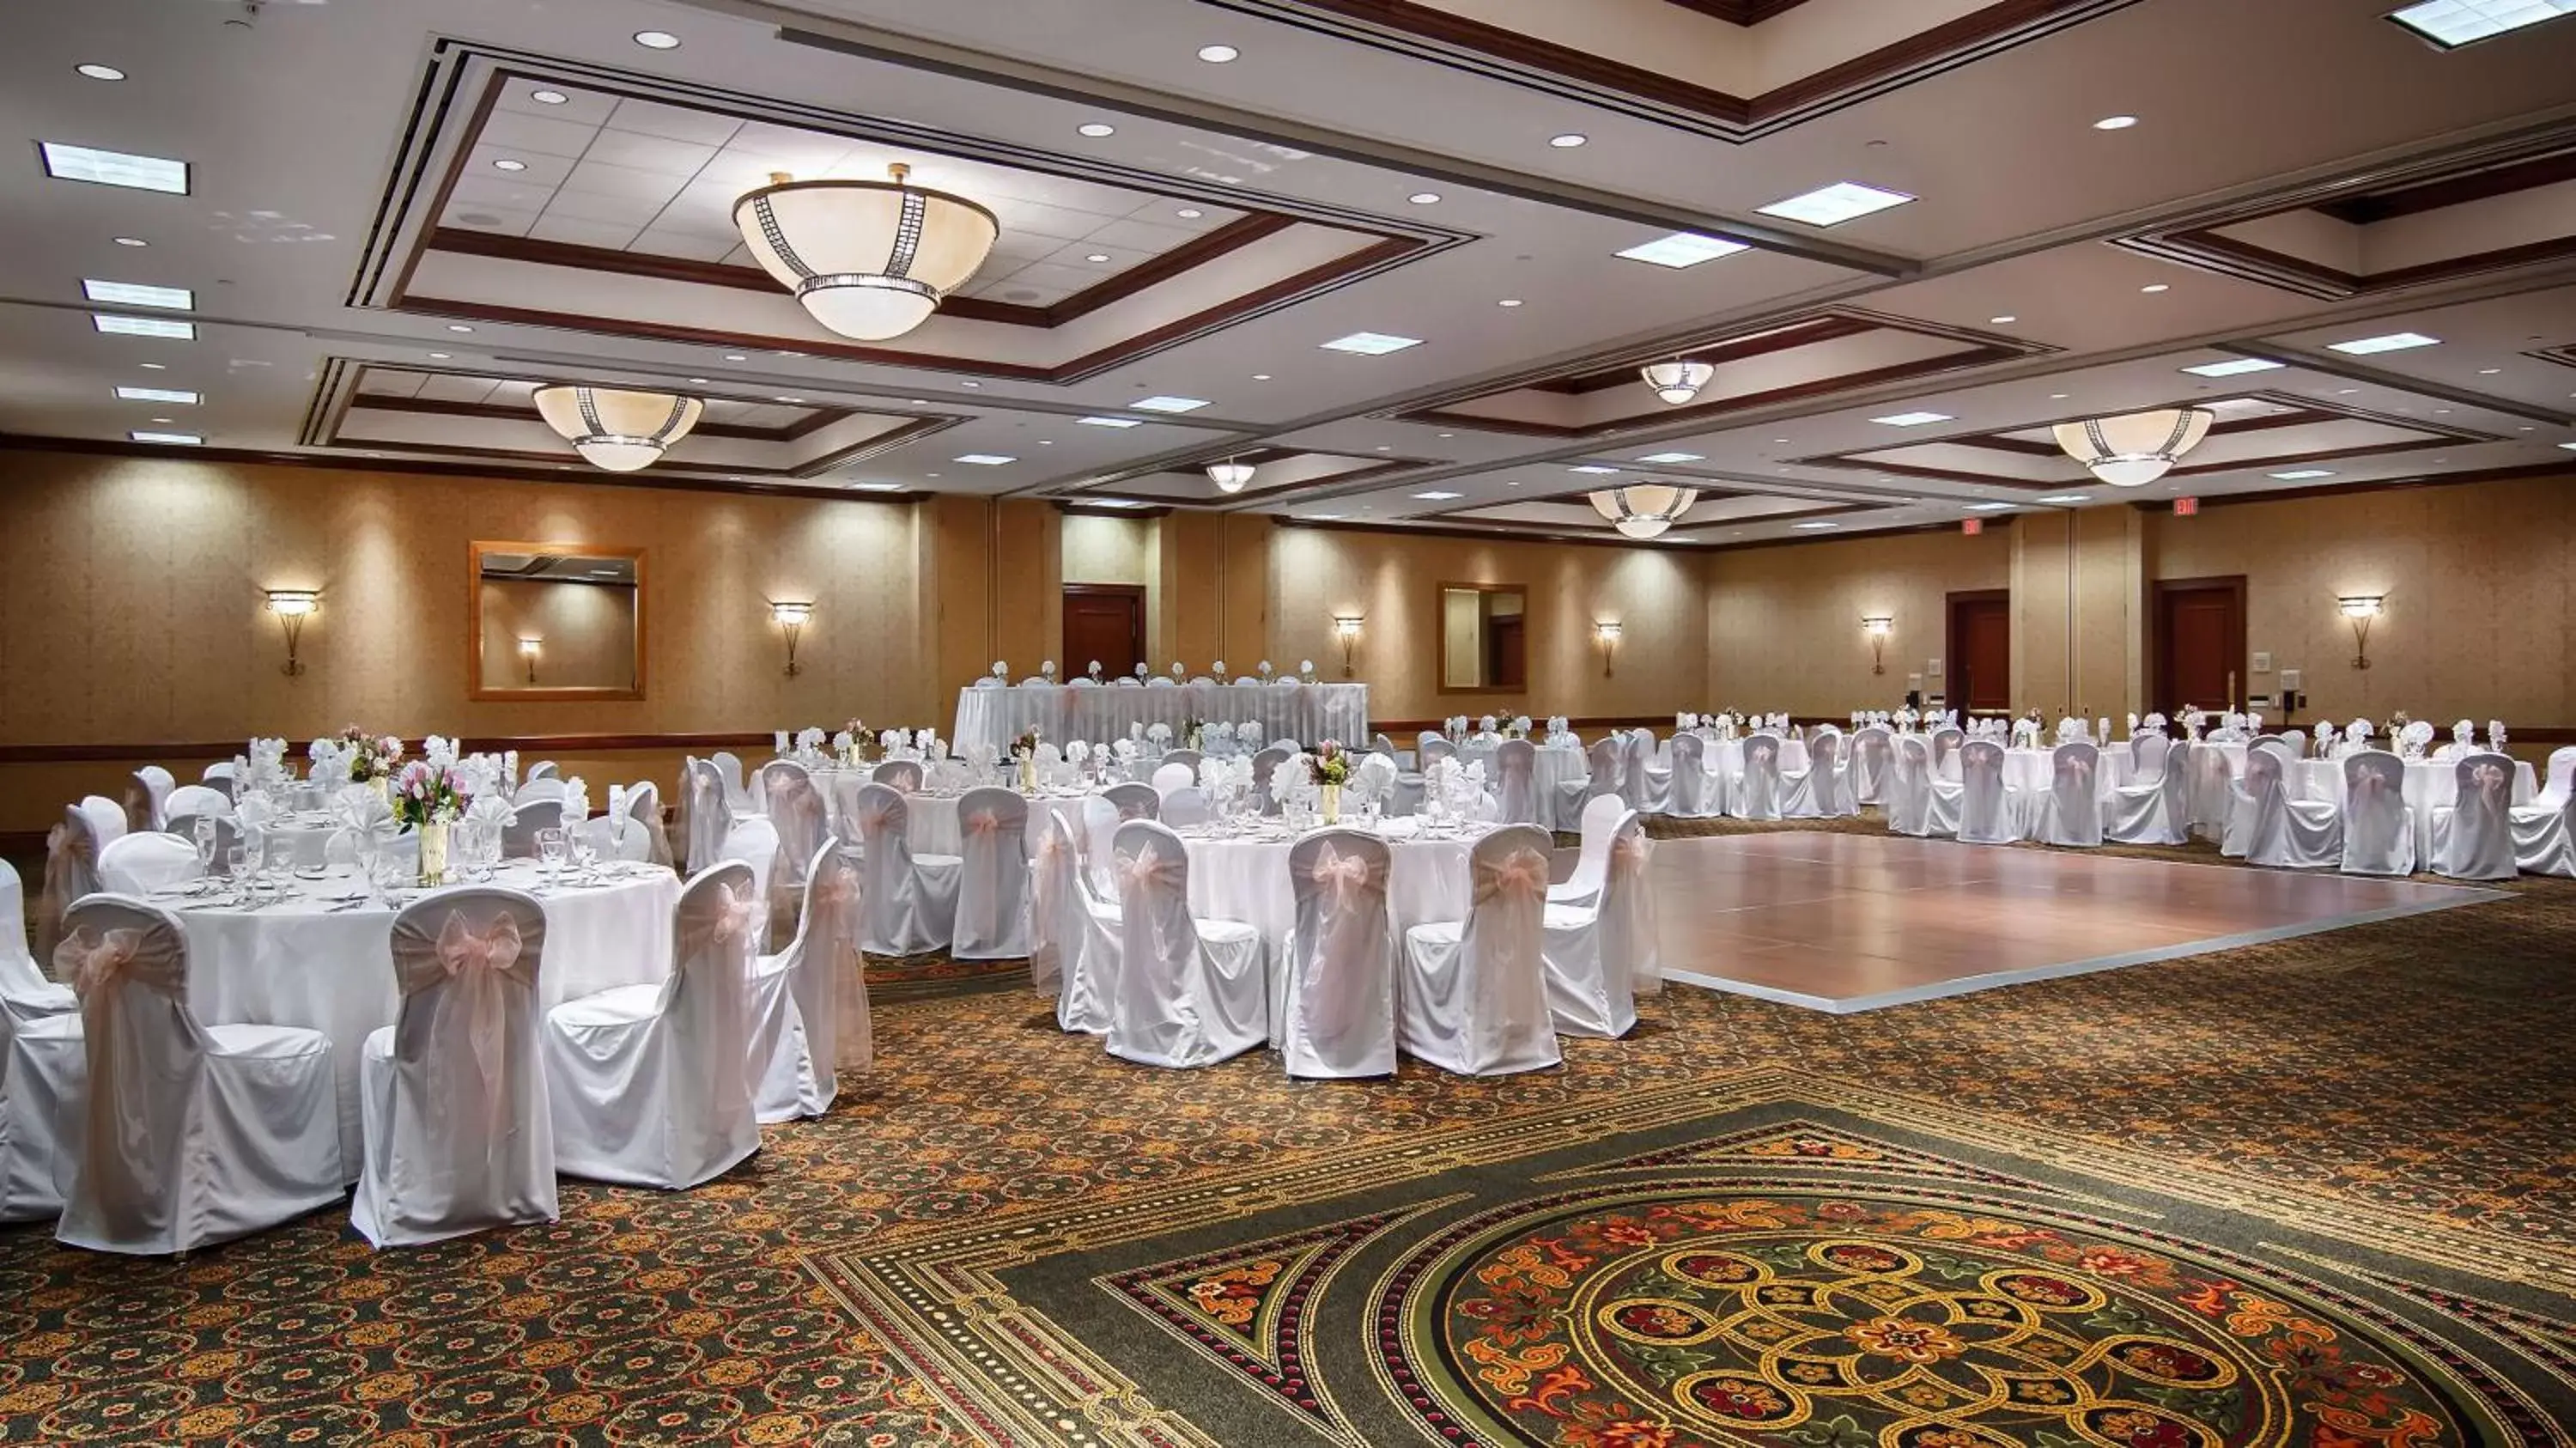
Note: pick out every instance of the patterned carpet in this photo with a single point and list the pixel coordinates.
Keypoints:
(2395, 1096)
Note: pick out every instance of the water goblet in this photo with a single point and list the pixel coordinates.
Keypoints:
(550, 851)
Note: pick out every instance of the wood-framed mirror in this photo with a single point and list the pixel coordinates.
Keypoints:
(1484, 638)
(554, 621)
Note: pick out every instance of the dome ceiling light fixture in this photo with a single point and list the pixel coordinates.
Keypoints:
(871, 260)
(2134, 449)
(1230, 476)
(617, 430)
(1643, 510)
(1677, 381)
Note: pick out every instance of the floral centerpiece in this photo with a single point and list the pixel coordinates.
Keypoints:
(1046, 671)
(371, 756)
(1024, 748)
(1217, 670)
(857, 730)
(1332, 771)
(431, 798)
(1264, 668)
(1194, 734)
(1306, 670)
(1093, 672)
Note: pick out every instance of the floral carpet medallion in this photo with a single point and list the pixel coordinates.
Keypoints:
(1728, 1312)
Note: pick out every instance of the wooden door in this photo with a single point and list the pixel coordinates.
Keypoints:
(1980, 644)
(1104, 621)
(2199, 649)
(1505, 653)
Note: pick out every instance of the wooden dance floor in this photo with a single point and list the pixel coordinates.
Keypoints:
(1846, 923)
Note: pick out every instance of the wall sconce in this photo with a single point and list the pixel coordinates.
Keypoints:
(2361, 608)
(292, 607)
(1878, 626)
(791, 619)
(1606, 633)
(1346, 627)
(528, 650)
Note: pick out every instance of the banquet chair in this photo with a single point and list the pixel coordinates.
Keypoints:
(900, 774)
(547, 787)
(644, 807)
(172, 1134)
(138, 864)
(2157, 809)
(1267, 759)
(1334, 1015)
(1985, 808)
(764, 781)
(2278, 830)
(1051, 869)
(705, 816)
(1687, 795)
(1643, 782)
(2544, 831)
(1134, 801)
(1814, 792)
(1386, 746)
(1516, 771)
(1871, 751)
(147, 792)
(1428, 747)
(1605, 764)
(794, 805)
(1588, 988)
(2473, 835)
(2378, 824)
(1186, 758)
(2238, 818)
(910, 900)
(2148, 755)
(71, 865)
(1945, 752)
(1190, 990)
(27, 1187)
(2294, 740)
(1188, 806)
(993, 889)
(2558, 778)
(808, 1004)
(1169, 777)
(1094, 926)
(753, 842)
(218, 776)
(545, 769)
(1755, 794)
(2069, 812)
(650, 1084)
(614, 837)
(519, 836)
(1905, 794)
(190, 799)
(1474, 998)
(453, 1095)
(1600, 823)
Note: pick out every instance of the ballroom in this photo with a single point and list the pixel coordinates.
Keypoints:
(1252, 723)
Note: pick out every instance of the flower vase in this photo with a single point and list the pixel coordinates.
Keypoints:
(383, 785)
(433, 854)
(1332, 804)
(1028, 774)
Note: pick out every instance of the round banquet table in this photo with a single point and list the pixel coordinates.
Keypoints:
(318, 961)
(2034, 771)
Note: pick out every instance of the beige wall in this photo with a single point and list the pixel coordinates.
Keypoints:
(585, 634)
(1784, 623)
(1118, 550)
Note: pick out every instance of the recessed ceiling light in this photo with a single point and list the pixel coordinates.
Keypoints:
(1594, 468)
(1097, 256)
(1371, 344)
(1189, 213)
(1110, 422)
(2301, 474)
(2152, 288)
(1670, 457)
(165, 420)
(2489, 371)
(2454, 23)
(1912, 419)
(1833, 205)
(506, 163)
(139, 294)
(1448, 434)
(2570, 446)
(1568, 141)
(548, 97)
(878, 487)
(2233, 367)
(1096, 129)
(154, 366)
(1990, 507)
(2059, 396)
(970, 382)
(1323, 517)
(115, 168)
(458, 327)
(156, 394)
(2005, 320)
(100, 72)
(735, 357)
(2391, 342)
(176, 439)
(1683, 249)
(1218, 54)
(2067, 498)
(2115, 123)
(1046, 442)
(144, 327)
(1168, 404)
(1115, 502)
(2346, 391)
(131, 241)
(443, 356)
(1260, 376)
(657, 40)
(984, 460)
(693, 382)
(1424, 198)
(1438, 496)
(1814, 527)
(787, 399)
(1509, 302)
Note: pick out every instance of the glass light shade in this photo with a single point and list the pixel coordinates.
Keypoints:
(292, 603)
(871, 260)
(2360, 607)
(2134, 449)
(1644, 510)
(1230, 477)
(1643, 527)
(614, 429)
(1677, 382)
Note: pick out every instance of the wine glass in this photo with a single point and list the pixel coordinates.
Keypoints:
(206, 835)
(550, 851)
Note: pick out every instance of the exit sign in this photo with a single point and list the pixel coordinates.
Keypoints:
(2186, 507)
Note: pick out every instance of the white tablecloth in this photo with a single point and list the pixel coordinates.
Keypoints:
(1247, 879)
(302, 963)
(1304, 712)
(933, 829)
(2034, 771)
(1558, 765)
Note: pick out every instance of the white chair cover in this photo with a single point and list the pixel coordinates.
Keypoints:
(615, 837)
(2473, 835)
(2147, 756)
(1475, 999)
(138, 864)
(1516, 761)
(2558, 781)
(519, 836)
(1873, 753)
(147, 794)
(1688, 794)
(2544, 831)
(644, 807)
(1187, 758)
(1816, 791)
(899, 774)
(2281, 831)
(704, 814)
(1643, 782)
(1607, 765)
(190, 799)
(752, 841)
(993, 894)
(1945, 752)
(1337, 1018)
(795, 809)
(1095, 928)
(459, 1136)
(1134, 801)
(1985, 810)
(911, 900)
(1600, 822)
(1756, 795)
(1268, 759)
(1588, 987)
(2157, 810)
(1051, 879)
(650, 1084)
(1190, 992)
(537, 788)
(71, 864)
(175, 1134)
(1169, 776)
(2070, 812)
(545, 769)
(2378, 824)
(728, 770)
(809, 1002)
(1188, 806)
(1906, 792)
(28, 1120)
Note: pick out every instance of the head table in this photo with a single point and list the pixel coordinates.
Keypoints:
(1283, 708)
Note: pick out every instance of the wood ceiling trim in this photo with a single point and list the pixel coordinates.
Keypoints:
(1809, 391)
(1807, 333)
(1739, 12)
(812, 421)
(1370, 470)
(2457, 190)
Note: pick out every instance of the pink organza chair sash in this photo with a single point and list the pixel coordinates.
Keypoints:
(71, 871)
(1155, 879)
(128, 1055)
(1350, 886)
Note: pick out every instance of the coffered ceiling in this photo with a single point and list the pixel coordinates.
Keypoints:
(402, 216)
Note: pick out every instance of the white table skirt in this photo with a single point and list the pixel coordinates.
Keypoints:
(302, 964)
(1556, 765)
(2034, 771)
(1247, 879)
(1304, 712)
